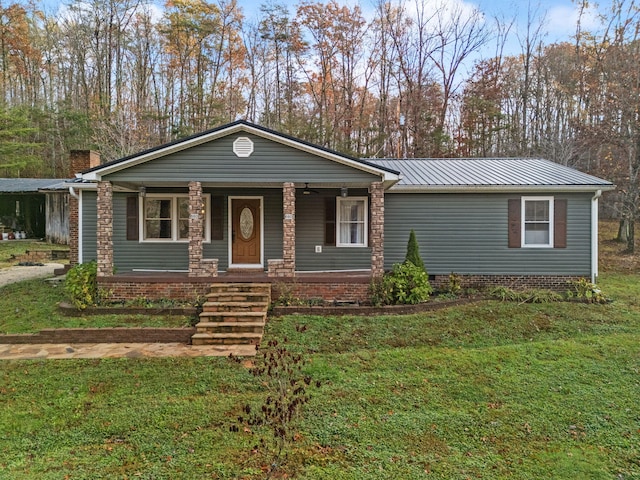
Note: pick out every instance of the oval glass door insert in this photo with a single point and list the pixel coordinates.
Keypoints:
(246, 223)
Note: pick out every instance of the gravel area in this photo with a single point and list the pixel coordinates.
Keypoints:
(19, 273)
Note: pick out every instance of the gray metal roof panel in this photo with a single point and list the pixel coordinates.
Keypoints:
(487, 172)
(30, 185)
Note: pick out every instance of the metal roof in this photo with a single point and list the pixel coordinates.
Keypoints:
(488, 173)
(31, 185)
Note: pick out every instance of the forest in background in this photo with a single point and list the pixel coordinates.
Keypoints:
(119, 76)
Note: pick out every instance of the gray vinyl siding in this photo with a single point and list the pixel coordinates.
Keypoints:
(133, 254)
(89, 219)
(215, 162)
(310, 225)
(467, 234)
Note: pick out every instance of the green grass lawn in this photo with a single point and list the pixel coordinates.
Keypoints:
(11, 248)
(491, 390)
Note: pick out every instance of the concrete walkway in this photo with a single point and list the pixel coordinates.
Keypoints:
(119, 350)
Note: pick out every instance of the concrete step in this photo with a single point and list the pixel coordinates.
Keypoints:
(232, 316)
(235, 307)
(241, 287)
(239, 297)
(226, 338)
(230, 327)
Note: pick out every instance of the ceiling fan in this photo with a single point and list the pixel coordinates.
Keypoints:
(307, 190)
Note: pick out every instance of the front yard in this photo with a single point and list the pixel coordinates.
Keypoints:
(491, 390)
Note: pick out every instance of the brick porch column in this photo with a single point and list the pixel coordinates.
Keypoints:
(105, 229)
(196, 228)
(376, 239)
(289, 227)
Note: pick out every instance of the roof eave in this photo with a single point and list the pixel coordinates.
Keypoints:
(499, 188)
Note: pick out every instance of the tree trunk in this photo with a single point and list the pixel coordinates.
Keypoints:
(631, 237)
(623, 231)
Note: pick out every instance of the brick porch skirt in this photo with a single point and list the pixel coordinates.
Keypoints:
(350, 288)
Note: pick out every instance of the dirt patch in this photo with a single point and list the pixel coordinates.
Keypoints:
(21, 273)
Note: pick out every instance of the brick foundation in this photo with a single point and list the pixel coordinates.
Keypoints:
(307, 287)
(559, 283)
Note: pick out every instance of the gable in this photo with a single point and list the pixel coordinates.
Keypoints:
(215, 162)
(241, 153)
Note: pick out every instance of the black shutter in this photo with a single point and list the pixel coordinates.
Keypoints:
(515, 235)
(330, 221)
(560, 223)
(217, 217)
(132, 218)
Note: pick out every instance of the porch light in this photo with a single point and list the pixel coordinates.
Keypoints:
(344, 192)
(142, 190)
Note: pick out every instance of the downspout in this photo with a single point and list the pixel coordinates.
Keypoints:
(594, 236)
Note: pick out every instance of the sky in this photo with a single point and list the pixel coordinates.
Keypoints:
(559, 24)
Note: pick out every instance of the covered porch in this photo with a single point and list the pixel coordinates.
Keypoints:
(212, 230)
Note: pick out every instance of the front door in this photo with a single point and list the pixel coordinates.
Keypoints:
(245, 231)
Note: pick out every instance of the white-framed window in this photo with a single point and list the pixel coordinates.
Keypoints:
(537, 222)
(351, 219)
(165, 218)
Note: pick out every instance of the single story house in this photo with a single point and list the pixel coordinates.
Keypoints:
(35, 207)
(245, 202)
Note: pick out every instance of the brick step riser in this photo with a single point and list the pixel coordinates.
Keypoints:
(227, 319)
(225, 341)
(239, 288)
(229, 308)
(226, 297)
(232, 329)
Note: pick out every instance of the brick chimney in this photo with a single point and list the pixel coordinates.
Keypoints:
(81, 160)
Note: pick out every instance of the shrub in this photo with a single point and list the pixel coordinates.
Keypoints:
(405, 284)
(587, 291)
(81, 285)
(413, 251)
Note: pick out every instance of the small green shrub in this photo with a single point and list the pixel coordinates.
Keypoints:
(587, 291)
(542, 296)
(525, 296)
(413, 251)
(505, 294)
(405, 284)
(455, 284)
(81, 285)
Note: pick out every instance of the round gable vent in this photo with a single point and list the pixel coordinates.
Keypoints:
(243, 147)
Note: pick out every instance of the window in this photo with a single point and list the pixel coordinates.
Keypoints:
(166, 218)
(537, 221)
(352, 221)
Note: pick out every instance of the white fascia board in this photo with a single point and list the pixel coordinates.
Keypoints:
(97, 174)
(498, 188)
